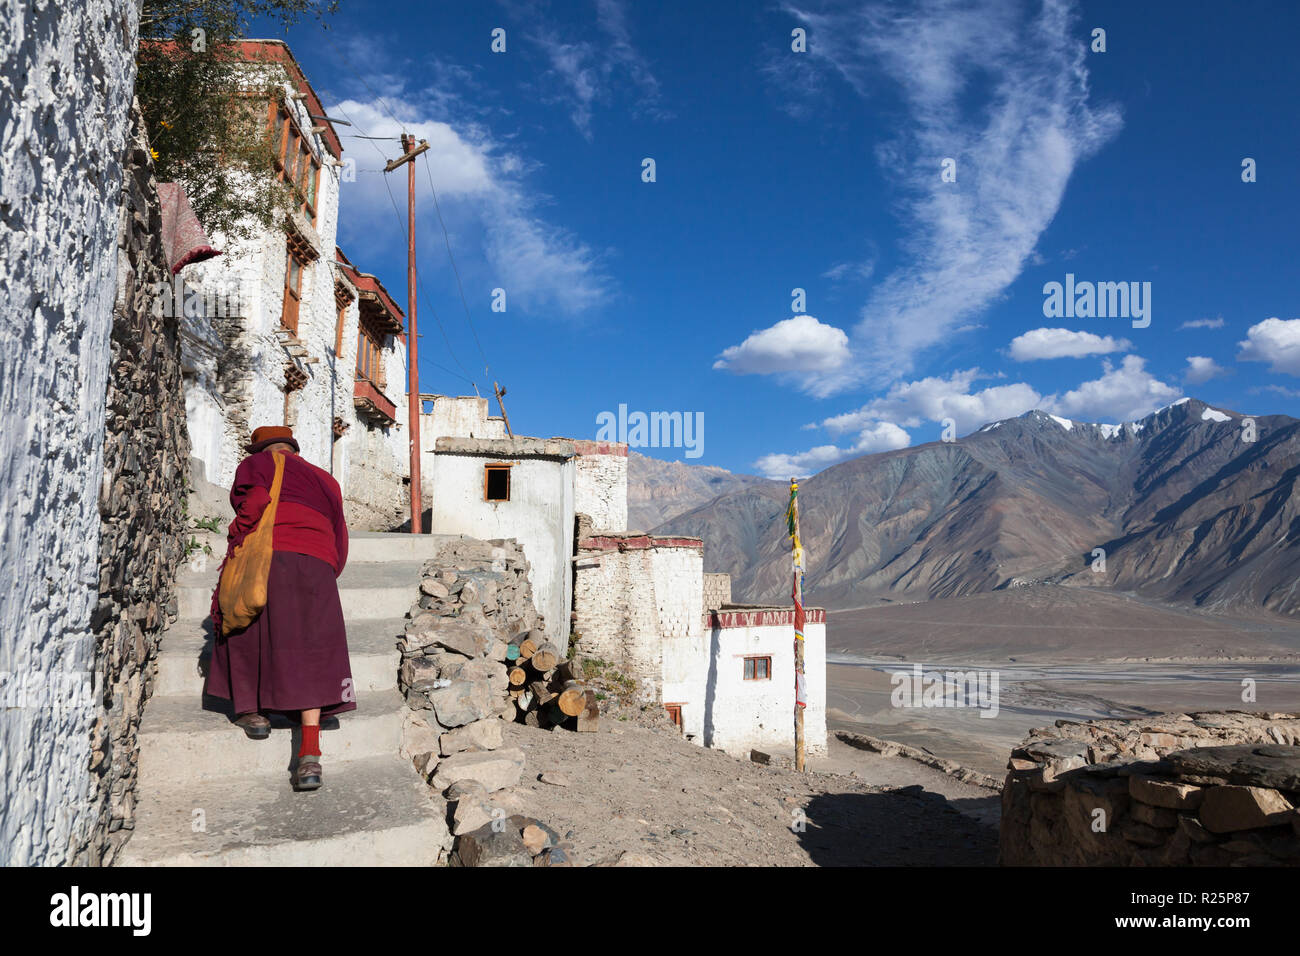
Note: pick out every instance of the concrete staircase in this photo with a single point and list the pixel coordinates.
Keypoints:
(209, 796)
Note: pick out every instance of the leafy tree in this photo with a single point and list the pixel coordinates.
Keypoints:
(206, 119)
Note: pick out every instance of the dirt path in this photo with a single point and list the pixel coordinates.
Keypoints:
(662, 801)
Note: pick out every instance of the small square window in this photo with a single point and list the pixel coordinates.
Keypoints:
(758, 668)
(496, 482)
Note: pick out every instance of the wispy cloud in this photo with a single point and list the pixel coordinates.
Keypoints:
(588, 71)
(1203, 324)
(966, 241)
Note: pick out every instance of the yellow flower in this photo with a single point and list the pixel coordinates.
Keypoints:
(153, 153)
(164, 124)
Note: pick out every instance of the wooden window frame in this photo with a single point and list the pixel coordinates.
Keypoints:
(675, 714)
(497, 466)
(370, 355)
(293, 173)
(291, 307)
(757, 657)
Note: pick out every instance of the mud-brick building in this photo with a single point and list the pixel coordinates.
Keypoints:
(290, 331)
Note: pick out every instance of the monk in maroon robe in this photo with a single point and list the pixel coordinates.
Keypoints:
(293, 658)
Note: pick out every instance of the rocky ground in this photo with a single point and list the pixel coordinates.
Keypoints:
(637, 794)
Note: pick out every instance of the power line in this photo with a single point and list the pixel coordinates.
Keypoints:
(422, 290)
(447, 238)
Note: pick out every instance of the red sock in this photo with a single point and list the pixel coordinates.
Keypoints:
(310, 741)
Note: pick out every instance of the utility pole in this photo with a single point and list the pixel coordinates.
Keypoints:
(800, 682)
(412, 333)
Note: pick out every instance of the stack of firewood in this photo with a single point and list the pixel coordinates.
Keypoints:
(547, 691)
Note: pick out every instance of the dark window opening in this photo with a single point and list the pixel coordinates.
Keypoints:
(496, 483)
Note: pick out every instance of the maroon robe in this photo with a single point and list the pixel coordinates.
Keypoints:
(294, 656)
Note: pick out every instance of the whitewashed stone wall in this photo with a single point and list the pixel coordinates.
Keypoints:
(539, 514)
(632, 594)
(67, 76)
(616, 613)
(717, 590)
(679, 588)
(600, 484)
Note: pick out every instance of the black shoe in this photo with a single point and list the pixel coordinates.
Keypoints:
(254, 725)
(307, 775)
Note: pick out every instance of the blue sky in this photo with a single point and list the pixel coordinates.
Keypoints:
(822, 171)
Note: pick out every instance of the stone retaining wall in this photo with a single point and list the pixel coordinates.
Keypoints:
(1216, 788)
(141, 505)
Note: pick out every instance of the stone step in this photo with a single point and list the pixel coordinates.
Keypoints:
(369, 591)
(363, 546)
(181, 742)
(183, 658)
(370, 812)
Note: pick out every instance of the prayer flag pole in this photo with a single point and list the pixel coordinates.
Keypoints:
(800, 683)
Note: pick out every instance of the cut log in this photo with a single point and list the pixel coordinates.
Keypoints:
(541, 693)
(518, 676)
(569, 670)
(572, 699)
(592, 708)
(545, 657)
(587, 725)
(554, 714)
(527, 647)
(524, 701)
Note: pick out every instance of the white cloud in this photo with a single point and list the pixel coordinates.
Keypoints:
(1276, 341)
(877, 436)
(1122, 394)
(496, 231)
(1062, 343)
(1201, 369)
(1203, 324)
(969, 240)
(934, 399)
(794, 346)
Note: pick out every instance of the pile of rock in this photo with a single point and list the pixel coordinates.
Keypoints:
(474, 613)
(1214, 788)
(516, 840)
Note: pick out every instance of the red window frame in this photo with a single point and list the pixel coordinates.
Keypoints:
(752, 669)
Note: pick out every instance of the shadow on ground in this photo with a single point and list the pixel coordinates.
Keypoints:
(907, 827)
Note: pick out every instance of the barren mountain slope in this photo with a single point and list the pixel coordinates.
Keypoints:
(1183, 506)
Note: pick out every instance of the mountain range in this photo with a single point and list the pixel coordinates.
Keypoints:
(1190, 504)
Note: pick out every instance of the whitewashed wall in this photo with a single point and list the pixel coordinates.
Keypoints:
(742, 714)
(539, 515)
(600, 484)
(68, 71)
(256, 268)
